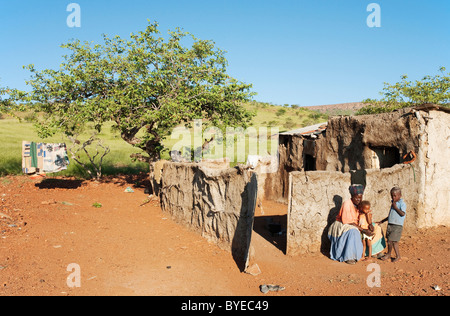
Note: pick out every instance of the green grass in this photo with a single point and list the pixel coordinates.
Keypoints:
(118, 161)
(13, 132)
(285, 118)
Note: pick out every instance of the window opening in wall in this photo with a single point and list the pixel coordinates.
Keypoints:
(309, 160)
(385, 157)
(309, 163)
(284, 140)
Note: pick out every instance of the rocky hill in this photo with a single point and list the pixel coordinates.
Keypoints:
(337, 109)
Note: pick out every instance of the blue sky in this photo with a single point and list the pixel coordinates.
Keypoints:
(292, 51)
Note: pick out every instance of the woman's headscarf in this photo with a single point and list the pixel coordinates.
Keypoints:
(356, 189)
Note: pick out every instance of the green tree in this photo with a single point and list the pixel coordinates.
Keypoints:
(146, 85)
(431, 89)
(8, 101)
(3, 102)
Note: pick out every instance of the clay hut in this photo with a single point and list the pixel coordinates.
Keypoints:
(406, 148)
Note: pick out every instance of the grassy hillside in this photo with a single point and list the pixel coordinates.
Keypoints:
(284, 117)
(13, 132)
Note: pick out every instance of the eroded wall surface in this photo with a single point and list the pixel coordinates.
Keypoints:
(219, 204)
(275, 185)
(346, 145)
(437, 171)
(317, 196)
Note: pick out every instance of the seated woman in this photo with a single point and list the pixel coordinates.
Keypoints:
(345, 232)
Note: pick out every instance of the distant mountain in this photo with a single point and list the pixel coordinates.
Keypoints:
(337, 109)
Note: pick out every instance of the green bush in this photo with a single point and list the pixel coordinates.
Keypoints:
(280, 112)
(289, 124)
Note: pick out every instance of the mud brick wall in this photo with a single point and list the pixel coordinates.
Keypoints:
(219, 204)
(436, 167)
(379, 184)
(346, 145)
(275, 185)
(316, 198)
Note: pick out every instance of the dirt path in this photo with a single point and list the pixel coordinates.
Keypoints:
(123, 248)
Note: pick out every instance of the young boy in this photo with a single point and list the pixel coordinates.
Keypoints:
(365, 222)
(395, 220)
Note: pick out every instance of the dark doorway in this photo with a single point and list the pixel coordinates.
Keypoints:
(309, 154)
(387, 156)
(309, 163)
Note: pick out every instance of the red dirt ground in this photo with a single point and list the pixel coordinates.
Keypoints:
(123, 248)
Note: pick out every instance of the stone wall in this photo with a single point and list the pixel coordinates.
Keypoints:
(219, 204)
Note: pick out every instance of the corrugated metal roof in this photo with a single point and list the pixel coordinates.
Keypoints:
(308, 130)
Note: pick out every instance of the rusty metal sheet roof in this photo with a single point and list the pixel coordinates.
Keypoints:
(308, 130)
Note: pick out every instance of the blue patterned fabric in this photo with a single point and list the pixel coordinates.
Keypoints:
(346, 243)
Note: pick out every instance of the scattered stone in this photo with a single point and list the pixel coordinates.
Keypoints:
(436, 287)
(276, 288)
(265, 288)
(2, 215)
(129, 190)
(49, 202)
(253, 270)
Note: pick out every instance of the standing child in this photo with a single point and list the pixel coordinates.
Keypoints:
(365, 222)
(395, 220)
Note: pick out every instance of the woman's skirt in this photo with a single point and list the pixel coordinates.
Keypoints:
(346, 243)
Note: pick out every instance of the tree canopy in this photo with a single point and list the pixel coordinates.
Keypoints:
(4, 103)
(431, 89)
(8, 101)
(146, 85)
